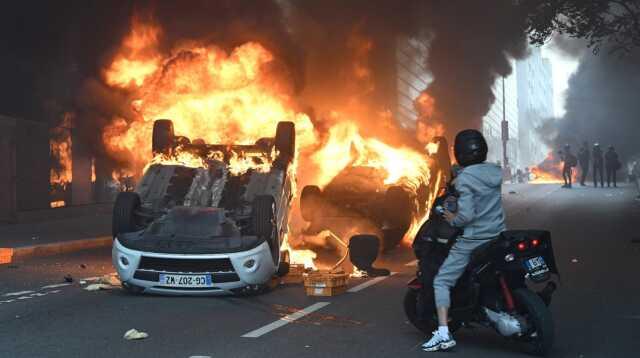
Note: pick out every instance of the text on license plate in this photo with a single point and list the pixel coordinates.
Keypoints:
(535, 264)
(185, 280)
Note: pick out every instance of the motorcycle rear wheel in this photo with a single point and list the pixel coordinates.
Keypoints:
(427, 326)
(539, 339)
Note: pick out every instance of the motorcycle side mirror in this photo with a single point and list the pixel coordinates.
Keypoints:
(363, 251)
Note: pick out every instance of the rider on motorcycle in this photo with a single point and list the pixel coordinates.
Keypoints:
(481, 217)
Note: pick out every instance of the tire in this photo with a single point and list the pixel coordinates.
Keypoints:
(163, 136)
(426, 326)
(533, 308)
(264, 223)
(124, 217)
(285, 141)
(310, 201)
(283, 266)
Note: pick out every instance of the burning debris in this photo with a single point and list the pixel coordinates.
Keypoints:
(550, 171)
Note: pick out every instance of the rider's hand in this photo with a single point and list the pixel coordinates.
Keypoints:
(449, 216)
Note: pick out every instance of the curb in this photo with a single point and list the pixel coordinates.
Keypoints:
(10, 254)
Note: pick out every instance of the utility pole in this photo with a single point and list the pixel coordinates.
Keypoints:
(505, 132)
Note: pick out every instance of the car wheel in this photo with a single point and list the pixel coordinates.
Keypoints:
(264, 223)
(285, 141)
(163, 137)
(310, 201)
(124, 217)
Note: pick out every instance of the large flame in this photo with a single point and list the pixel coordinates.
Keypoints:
(550, 171)
(346, 146)
(238, 97)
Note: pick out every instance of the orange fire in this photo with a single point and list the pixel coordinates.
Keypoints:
(61, 173)
(237, 97)
(550, 171)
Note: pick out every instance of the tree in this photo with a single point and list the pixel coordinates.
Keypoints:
(614, 23)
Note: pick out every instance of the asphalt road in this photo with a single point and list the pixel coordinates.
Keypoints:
(596, 309)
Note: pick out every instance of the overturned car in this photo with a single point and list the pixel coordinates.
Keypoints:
(360, 193)
(209, 229)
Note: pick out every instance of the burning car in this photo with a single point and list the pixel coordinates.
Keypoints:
(205, 218)
(361, 192)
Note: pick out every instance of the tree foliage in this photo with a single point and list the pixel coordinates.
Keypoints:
(613, 23)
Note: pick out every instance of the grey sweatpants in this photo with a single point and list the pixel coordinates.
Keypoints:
(452, 268)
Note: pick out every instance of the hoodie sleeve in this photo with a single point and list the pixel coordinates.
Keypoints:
(466, 205)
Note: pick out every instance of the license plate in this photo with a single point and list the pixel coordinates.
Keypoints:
(536, 265)
(185, 280)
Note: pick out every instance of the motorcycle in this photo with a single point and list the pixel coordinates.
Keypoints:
(493, 291)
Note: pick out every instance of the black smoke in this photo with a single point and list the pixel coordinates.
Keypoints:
(473, 42)
(602, 104)
(52, 53)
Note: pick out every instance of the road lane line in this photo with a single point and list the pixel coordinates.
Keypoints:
(413, 263)
(21, 293)
(285, 320)
(55, 286)
(368, 283)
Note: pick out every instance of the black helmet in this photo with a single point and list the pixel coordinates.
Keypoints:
(470, 147)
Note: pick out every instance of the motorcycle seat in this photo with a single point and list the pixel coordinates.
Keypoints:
(483, 253)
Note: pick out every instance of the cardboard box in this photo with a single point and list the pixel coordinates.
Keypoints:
(324, 283)
(325, 291)
(295, 275)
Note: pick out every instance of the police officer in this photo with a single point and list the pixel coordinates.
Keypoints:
(612, 165)
(569, 162)
(598, 165)
(583, 158)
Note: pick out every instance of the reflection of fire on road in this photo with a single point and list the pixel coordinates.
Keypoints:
(550, 171)
(239, 97)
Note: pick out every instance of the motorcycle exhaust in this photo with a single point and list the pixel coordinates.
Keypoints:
(506, 324)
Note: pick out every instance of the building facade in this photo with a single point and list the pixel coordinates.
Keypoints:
(535, 105)
(505, 106)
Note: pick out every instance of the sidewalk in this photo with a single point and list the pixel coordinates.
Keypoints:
(54, 236)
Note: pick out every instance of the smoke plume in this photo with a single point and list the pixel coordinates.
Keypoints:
(602, 105)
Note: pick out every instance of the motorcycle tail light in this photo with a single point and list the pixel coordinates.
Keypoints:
(535, 242)
(522, 246)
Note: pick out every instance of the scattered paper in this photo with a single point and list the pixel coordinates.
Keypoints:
(135, 334)
(574, 260)
(98, 286)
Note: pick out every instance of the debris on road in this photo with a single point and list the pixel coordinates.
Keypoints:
(324, 283)
(134, 334)
(98, 287)
(574, 260)
(110, 279)
(68, 278)
(513, 192)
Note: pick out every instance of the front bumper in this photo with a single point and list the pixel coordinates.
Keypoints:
(142, 269)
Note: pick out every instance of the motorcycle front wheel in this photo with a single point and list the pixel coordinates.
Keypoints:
(539, 337)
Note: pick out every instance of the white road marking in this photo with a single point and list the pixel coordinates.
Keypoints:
(7, 301)
(25, 297)
(368, 283)
(285, 320)
(413, 263)
(21, 293)
(55, 286)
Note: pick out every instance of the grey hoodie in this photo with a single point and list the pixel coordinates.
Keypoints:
(480, 211)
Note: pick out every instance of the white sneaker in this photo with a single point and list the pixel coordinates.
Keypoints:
(439, 342)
